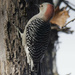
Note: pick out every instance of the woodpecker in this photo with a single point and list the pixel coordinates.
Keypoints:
(35, 37)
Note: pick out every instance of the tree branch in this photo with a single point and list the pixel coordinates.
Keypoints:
(67, 3)
(69, 22)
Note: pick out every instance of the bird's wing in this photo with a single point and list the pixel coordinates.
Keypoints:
(37, 38)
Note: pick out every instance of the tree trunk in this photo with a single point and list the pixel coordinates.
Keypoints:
(12, 54)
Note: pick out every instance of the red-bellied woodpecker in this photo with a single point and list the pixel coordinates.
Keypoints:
(36, 35)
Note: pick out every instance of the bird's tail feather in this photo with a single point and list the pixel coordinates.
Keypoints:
(37, 69)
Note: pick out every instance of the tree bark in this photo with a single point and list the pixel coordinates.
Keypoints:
(12, 54)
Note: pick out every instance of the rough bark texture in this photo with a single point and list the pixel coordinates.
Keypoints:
(12, 54)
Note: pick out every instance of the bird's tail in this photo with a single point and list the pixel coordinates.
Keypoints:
(37, 69)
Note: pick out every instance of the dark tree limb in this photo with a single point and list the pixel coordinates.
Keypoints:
(67, 3)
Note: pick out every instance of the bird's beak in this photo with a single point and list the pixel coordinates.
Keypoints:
(37, 5)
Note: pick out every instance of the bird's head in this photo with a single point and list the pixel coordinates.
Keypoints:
(46, 11)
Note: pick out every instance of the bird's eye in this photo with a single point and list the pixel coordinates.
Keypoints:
(41, 5)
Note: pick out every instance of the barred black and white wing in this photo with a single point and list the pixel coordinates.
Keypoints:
(37, 38)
